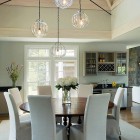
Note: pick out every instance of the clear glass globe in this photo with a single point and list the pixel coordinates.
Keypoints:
(63, 3)
(58, 50)
(80, 19)
(39, 28)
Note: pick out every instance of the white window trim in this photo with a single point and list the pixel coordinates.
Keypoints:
(50, 58)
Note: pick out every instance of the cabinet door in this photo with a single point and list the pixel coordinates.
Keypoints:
(121, 63)
(90, 65)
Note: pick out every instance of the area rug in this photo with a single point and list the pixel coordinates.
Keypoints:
(128, 131)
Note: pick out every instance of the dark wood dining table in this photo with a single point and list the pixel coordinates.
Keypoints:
(76, 108)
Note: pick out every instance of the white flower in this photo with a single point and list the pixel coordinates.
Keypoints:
(67, 83)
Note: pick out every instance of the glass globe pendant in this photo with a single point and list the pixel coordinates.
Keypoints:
(80, 19)
(39, 28)
(63, 3)
(58, 50)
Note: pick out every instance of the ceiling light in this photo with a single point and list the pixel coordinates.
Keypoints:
(80, 19)
(63, 3)
(58, 50)
(39, 28)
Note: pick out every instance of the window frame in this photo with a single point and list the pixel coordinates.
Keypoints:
(51, 60)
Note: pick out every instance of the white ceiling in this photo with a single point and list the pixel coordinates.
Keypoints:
(127, 38)
(86, 4)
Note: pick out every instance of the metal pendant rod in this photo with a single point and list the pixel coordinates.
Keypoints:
(58, 24)
(100, 7)
(5, 2)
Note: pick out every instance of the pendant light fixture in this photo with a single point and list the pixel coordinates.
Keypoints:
(39, 28)
(80, 19)
(63, 3)
(58, 50)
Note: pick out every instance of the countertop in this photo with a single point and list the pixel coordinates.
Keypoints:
(109, 86)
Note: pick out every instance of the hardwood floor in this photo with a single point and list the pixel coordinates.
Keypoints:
(131, 116)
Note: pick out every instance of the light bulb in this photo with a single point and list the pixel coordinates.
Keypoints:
(80, 19)
(39, 28)
(63, 3)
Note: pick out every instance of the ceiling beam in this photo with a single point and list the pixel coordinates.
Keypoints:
(109, 3)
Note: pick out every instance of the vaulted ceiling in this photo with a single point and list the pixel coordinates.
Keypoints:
(108, 5)
(86, 4)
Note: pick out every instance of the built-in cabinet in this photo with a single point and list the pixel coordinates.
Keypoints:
(127, 97)
(121, 63)
(95, 62)
(106, 62)
(90, 63)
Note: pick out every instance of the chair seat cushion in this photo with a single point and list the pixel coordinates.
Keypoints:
(25, 117)
(110, 116)
(76, 132)
(112, 131)
(60, 132)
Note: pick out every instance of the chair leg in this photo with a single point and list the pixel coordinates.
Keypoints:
(120, 138)
(79, 120)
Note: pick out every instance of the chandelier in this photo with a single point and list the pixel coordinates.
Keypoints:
(58, 50)
(80, 19)
(39, 28)
(63, 3)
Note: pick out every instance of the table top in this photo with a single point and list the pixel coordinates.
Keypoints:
(76, 108)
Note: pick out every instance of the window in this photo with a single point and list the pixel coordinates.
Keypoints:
(42, 69)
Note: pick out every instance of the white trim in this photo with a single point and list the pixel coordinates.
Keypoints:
(51, 59)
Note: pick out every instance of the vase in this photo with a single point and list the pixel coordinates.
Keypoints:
(66, 98)
(13, 83)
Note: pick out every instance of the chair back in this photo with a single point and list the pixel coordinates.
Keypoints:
(96, 116)
(17, 97)
(14, 116)
(44, 90)
(85, 90)
(117, 103)
(42, 117)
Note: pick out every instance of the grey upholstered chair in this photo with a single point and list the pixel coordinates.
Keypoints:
(83, 91)
(44, 90)
(15, 93)
(47, 90)
(43, 119)
(95, 117)
(19, 130)
(113, 129)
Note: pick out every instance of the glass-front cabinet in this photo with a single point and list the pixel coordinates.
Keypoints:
(121, 63)
(90, 63)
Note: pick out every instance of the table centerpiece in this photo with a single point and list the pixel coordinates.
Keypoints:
(66, 84)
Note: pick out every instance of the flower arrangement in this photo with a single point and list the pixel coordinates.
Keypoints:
(67, 83)
(14, 72)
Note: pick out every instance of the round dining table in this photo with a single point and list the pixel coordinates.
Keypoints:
(76, 108)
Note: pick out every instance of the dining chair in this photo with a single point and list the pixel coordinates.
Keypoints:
(83, 91)
(113, 129)
(44, 90)
(43, 119)
(19, 130)
(95, 117)
(47, 90)
(15, 93)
